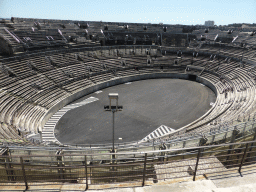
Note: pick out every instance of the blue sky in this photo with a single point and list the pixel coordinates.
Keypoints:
(145, 11)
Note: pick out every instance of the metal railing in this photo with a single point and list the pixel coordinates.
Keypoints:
(130, 169)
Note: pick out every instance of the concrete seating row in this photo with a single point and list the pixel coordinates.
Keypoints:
(242, 102)
(229, 51)
(243, 93)
(18, 68)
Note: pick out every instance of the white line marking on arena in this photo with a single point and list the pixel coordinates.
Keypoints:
(97, 92)
(160, 131)
(48, 130)
(128, 83)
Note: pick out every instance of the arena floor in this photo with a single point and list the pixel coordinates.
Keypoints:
(147, 104)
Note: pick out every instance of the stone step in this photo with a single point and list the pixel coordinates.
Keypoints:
(56, 116)
(46, 132)
(48, 135)
(48, 138)
(48, 126)
(51, 122)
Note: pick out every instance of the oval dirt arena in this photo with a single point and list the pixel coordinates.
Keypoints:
(147, 104)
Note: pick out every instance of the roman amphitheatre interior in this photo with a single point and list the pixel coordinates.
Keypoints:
(186, 103)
